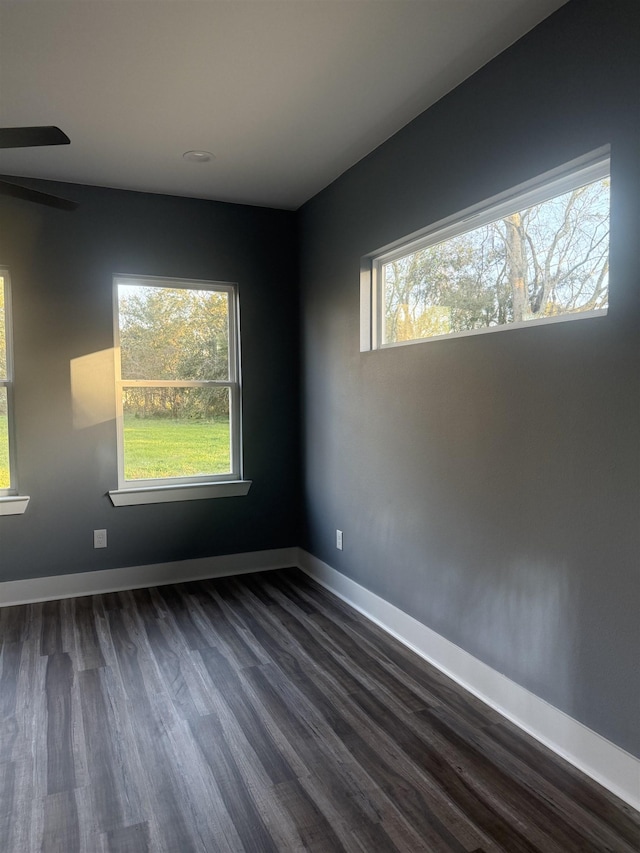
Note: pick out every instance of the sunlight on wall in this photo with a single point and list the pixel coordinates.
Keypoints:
(92, 391)
(518, 616)
(520, 619)
(529, 605)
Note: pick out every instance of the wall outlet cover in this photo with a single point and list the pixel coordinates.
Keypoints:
(99, 538)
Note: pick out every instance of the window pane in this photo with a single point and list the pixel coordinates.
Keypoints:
(176, 432)
(3, 334)
(5, 482)
(173, 333)
(543, 261)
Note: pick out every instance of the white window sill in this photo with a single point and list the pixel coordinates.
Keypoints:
(13, 504)
(190, 492)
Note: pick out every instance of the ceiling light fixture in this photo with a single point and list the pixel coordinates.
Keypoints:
(198, 156)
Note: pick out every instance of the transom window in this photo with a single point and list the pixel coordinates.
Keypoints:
(539, 253)
(178, 381)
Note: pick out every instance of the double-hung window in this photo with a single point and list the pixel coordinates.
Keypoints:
(538, 253)
(6, 468)
(10, 502)
(177, 390)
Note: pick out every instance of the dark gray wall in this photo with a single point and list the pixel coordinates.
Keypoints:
(489, 485)
(61, 266)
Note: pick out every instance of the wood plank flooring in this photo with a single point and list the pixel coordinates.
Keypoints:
(262, 714)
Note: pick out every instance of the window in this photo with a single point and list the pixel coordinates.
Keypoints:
(537, 254)
(177, 389)
(10, 502)
(6, 469)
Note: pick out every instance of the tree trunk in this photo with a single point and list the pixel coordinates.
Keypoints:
(516, 264)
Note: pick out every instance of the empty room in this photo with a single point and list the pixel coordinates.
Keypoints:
(319, 426)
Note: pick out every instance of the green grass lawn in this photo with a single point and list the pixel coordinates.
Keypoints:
(4, 453)
(159, 447)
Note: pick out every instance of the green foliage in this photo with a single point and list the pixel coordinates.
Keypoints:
(176, 403)
(174, 334)
(156, 448)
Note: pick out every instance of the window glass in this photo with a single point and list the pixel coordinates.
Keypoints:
(176, 432)
(5, 474)
(3, 332)
(541, 261)
(173, 333)
(5, 479)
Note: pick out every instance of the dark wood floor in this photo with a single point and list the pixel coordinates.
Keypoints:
(262, 714)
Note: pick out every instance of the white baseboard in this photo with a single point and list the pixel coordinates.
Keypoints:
(603, 761)
(115, 580)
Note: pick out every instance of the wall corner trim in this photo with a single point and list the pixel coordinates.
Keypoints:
(606, 763)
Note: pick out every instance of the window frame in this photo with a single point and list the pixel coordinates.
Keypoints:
(7, 383)
(576, 173)
(11, 501)
(192, 487)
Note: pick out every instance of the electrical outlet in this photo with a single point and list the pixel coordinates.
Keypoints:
(99, 538)
(339, 540)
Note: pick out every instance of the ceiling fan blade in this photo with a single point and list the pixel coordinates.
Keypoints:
(28, 137)
(26, 194)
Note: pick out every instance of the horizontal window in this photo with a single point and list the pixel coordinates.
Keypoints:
(539, 253)
(177, 384)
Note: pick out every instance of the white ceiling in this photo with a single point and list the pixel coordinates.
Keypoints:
(287, 94)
